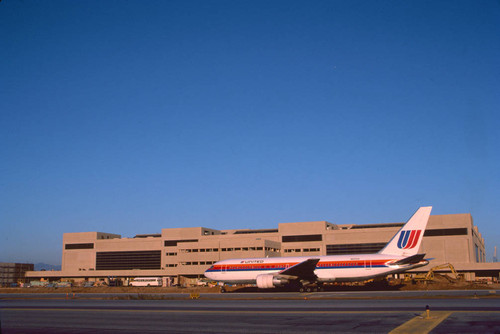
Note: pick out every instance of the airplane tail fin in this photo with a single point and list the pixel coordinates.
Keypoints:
(407, 241)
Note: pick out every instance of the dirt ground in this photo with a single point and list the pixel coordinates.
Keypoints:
(394, 285)
(108, 289)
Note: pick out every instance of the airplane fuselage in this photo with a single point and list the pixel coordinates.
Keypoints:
(330, 268)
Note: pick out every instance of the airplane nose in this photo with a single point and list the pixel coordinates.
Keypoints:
(209, 274)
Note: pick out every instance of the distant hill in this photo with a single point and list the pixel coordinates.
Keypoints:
(45, 266)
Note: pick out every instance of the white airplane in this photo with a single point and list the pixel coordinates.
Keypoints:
(310, 272)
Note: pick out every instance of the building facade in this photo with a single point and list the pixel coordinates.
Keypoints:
(183, 254)
(14, 273)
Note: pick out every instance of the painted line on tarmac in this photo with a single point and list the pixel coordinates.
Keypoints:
(422, 324)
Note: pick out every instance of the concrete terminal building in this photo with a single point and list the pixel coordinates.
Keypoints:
(13, 273)
(181, 255)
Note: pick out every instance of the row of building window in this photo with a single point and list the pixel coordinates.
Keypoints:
(236, 249)
(305, 250)
(192, 263)
(242, 249)
(197, 263)
(169, 243)
(256, 231)
(445, 232)
(79, 246)
(302, 238)
(196, 250)
(367, 248)
(128, 260)
(231, 249)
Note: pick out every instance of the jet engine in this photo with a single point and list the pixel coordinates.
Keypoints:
(267, 281)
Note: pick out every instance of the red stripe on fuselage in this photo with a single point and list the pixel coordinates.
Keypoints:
(281, 266)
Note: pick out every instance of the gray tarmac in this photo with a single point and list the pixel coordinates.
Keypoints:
(325, 312)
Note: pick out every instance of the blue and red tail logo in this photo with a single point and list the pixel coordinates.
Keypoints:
(408, 239)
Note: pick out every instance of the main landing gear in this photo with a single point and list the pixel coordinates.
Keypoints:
(311, 288)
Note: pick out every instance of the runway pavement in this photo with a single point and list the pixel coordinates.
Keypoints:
(254, 313)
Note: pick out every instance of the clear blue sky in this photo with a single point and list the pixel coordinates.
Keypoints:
(132, 116)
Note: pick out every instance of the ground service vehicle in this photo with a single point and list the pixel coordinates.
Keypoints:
(146, 281)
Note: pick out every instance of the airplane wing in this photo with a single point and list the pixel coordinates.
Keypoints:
(303, 270)
(410, 260)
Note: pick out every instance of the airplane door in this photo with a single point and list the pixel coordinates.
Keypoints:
(223, 269)
(368, 264)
